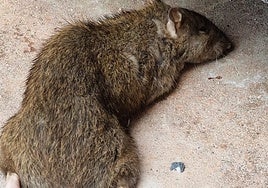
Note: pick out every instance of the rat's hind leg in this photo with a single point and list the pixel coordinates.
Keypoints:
(127, 168)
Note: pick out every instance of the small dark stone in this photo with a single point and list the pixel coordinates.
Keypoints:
(178, 166)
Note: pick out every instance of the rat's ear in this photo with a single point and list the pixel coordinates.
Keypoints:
(174, 21)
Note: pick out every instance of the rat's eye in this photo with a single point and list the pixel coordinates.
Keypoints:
(203, 29)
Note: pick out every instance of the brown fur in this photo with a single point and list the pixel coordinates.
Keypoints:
(87, 82)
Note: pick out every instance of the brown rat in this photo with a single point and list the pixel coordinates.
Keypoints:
(86, 83)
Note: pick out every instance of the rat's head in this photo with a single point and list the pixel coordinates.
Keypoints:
(201, 39)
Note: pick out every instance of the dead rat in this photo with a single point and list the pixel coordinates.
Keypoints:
(87, 82)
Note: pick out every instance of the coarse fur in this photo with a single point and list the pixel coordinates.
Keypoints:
(87, 82)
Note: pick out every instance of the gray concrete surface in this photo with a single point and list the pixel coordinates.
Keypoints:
(217, 127)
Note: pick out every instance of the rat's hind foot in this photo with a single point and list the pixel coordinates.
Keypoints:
(12, 180)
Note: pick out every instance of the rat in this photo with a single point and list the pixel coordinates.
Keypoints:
(88, 81)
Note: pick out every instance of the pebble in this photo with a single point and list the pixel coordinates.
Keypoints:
(177, 166)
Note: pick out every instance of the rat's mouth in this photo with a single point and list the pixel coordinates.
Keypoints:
(229, 48)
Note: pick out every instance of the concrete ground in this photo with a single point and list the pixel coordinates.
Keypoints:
(216, 121)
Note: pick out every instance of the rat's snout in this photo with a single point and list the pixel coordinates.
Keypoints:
(223, 47)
